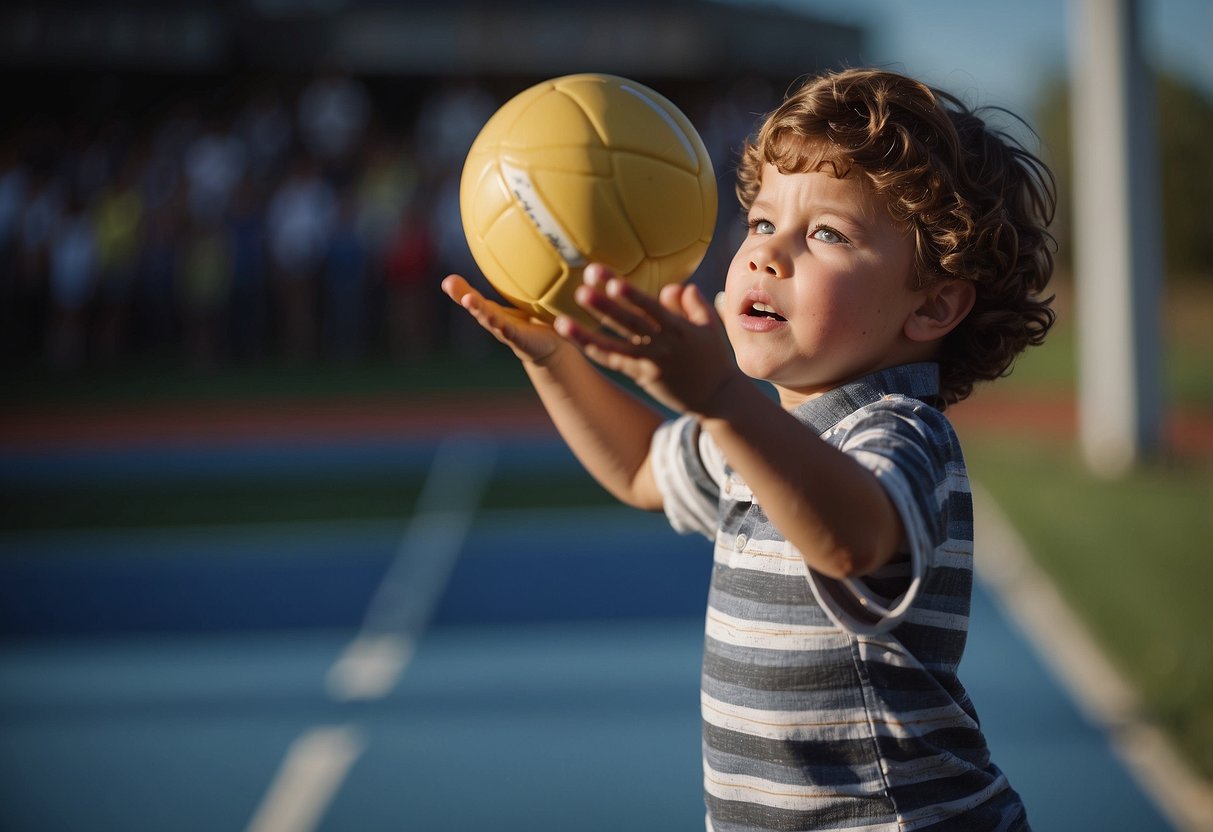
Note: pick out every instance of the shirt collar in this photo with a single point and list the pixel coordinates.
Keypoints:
(918, 381)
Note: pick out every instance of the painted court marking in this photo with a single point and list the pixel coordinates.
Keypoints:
(372, 664)
(405, 600)
(314, 768)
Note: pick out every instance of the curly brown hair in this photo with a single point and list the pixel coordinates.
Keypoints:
(978, 203)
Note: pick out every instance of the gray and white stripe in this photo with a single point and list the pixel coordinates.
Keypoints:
(835, 704)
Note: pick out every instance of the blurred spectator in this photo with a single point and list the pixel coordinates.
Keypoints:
(410, 286)
(43, 213)
(387, 184)
(265, 126)
(298, 224)
(117, 219)
(206, 225)
(448, 122)
(14, 183)
(214, 163)
(160, 178)
(345, 284)
(205, 280)
(73, 271)
(156, 287)
(14, 180)
(334, 111)
(90, 167)
(453, 255)
(246, 249)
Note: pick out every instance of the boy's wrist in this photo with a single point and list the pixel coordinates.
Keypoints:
(729, 394)
(551, 359)
(550, 364)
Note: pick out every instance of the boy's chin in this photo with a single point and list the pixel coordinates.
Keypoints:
(759, 369)
(789, 385)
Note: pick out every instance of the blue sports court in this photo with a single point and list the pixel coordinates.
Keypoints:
(465, 667)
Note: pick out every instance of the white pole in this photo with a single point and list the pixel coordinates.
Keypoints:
(1117, 251)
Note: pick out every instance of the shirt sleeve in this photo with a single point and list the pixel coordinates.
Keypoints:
(688, 468)
(914, 454)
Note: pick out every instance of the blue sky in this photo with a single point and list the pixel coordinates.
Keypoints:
(1005, 52)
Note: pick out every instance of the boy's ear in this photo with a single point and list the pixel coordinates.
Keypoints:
(944, 305)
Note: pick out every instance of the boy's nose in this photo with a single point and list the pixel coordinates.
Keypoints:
(769, 263)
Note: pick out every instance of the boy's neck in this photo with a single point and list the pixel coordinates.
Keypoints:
(790, 399)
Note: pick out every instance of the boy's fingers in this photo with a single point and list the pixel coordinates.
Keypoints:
(612, 360)
(670, 298)
(596, 274)
(455, 286)
(651, 306)
(595, 342)
(573, 331)
(462, 293)
(488, 315)
(611, 309)
(696, 306)
(602, 278)
(673, 302)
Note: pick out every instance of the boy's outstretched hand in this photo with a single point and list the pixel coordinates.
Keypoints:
(529, 338)
(673, 345)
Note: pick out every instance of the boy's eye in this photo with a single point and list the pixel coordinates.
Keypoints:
(827, 235)
(762, 226)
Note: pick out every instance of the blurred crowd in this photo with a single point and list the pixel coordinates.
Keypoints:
(292, 226)
(295, 226)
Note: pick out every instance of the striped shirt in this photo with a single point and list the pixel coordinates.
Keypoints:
(835, 704)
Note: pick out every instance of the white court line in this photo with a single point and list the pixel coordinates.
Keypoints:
(1095, 685)
(312, 772)
(405, 600)
(370, 666)
(318, 762)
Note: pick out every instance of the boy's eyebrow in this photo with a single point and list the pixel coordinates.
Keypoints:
(759, 204)
(860, 221)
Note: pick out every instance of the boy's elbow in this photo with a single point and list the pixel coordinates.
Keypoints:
(634, 494)
(843, 562)
(839, 564)
(643, 492)
(859, 551)
(637, 502)
(645, 499)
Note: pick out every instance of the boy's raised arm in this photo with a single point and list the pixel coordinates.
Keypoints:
(825, 503)
(608, 429)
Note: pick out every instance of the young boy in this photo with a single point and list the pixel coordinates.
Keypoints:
(895, 252)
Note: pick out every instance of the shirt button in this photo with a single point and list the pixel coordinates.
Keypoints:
(740, 542)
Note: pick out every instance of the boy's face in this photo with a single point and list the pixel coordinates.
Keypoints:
(819, 291)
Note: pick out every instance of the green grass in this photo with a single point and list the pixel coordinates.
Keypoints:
(1187, 350)
(33, 384)
(304, 498)
(1132, 558)
(1130, 555)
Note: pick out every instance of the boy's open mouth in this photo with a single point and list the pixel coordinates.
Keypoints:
(764, 310)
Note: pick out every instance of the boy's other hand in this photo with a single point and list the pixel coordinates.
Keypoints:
(530, 338)
(672, 345)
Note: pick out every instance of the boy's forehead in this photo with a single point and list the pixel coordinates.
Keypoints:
(851, 193)
(822, 178)
(792, 153)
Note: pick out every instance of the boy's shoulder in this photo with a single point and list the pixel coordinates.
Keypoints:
(893, 412)
(912, 387)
